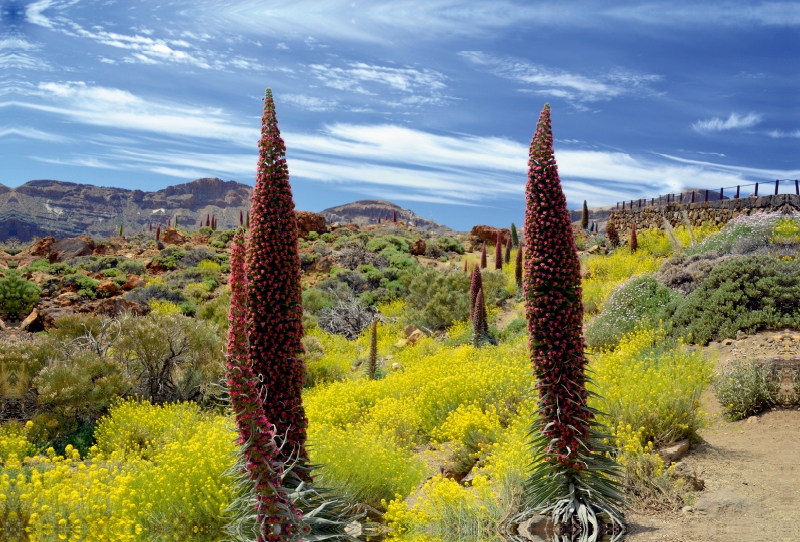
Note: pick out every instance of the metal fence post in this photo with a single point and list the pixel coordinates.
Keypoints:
(737, 192)
(776, 186)
(756, 189)
(706, 199)
(692, 196)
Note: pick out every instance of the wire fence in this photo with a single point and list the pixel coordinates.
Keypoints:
(695, 196)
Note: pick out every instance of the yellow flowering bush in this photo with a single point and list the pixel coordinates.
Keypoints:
(164, 308)
(653, 383)
(180, 493)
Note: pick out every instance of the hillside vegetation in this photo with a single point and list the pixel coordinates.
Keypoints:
(116, 426)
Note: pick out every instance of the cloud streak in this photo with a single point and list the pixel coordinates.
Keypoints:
(733, 122)
(120, 109)
(573, 87)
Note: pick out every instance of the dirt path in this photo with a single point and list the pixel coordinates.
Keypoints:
(751, 469)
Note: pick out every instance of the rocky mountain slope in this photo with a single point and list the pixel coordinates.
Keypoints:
(60, 209)
(367, 211)
(39, 209)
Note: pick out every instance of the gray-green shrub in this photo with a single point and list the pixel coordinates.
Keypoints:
(745, 388)
(642, 298)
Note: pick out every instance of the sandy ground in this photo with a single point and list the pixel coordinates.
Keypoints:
(751, 468)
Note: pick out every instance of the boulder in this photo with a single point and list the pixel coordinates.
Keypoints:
(308, 222)
(134, 281)
(104, 250)
(418, 247)
(41, 248)
(408, 330)
(415, 336)
(69, 299)
(672, 454)
(324, 264)
(488, 234)
(32, 318)
(49, 316)
(116, 306)
(107, 289)
(171, 236)
(71, 247)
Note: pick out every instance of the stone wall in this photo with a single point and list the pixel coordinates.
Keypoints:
(720, 211)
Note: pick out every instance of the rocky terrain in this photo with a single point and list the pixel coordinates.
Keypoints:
(43, 208)
(59, 209)
(367, 211)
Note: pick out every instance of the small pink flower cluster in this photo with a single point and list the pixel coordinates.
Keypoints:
(552, 285)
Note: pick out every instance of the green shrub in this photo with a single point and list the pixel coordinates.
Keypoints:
(111, 272)
(169, 258)
(42, 266)
(449, 244)
(158, 291)
(380, 243)
(216, 311)
(61, 269)
(84, 285)
(747, 293)
(436, 300)
(78, 389)
(642, 298)
(494, 285)
(17, 294)
(315, 300)
(328, 237)
(745, 388)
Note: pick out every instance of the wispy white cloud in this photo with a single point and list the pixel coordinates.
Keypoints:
(34, 13)
(31, 133)
(309, 103)
(778, 134)
(120, 109)
(421, 86)
(554, 82)
(733, 122)
(17, 53)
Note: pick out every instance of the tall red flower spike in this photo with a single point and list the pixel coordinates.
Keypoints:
(570, 465)
(634, 242)
(479, 325)
(498, 251)
(518, 265)
(475, 285)
(256, 435)
(158, 233)
(507, 256)
(483, 256)
(394, 216)
(611, 234)
(275, 314)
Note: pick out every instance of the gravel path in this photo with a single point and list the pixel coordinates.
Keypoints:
(751, 469)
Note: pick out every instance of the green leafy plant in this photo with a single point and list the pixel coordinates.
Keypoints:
(17, 294)
(746, 387)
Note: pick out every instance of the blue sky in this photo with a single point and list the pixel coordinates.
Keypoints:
(429, 104)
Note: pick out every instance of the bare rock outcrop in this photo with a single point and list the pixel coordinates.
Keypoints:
(308, 222)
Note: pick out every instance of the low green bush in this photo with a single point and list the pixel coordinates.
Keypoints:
(745, 388)
(438, 299)
(170, 258)
(17, 294)
(380, 243)
(748, 293)
(314, 300)
(83, 284)
(450, 244)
